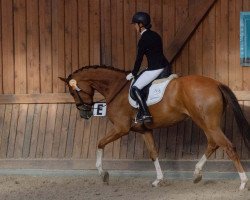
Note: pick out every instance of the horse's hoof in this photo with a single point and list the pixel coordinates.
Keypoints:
(197, 178)
(105, 177)
(242, 186)
(157, 182)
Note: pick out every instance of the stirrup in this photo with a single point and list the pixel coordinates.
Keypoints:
(147, 119)
(140, 118)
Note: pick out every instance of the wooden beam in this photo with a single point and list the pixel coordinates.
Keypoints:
(242, 95)
(189, 26)
(128, 164)
(41, 98)
(67, 98)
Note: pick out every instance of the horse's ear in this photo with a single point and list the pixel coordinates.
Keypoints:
(63, 79)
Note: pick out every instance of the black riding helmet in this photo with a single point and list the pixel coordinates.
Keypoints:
(143, 18)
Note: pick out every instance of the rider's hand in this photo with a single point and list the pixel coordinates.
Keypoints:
(129, 76)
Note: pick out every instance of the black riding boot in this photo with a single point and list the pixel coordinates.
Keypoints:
(146, 116)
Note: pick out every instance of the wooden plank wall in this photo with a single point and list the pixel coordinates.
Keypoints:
(57, 131)
(41, 40)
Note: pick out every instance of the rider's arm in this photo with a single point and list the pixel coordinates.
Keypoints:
(139, 57)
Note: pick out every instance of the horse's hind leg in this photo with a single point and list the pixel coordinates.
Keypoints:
(228, 147)
(149, 141)
(211, 148)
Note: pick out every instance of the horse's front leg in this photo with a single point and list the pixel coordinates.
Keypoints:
(102, 173)
(113, 135)
(149, 141)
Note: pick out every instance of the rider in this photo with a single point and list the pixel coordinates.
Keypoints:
(150, 44)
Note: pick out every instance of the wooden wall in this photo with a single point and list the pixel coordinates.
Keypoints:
(43, 39)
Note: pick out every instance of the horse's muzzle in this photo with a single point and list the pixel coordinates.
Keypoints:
(85, 111)
(86, 114)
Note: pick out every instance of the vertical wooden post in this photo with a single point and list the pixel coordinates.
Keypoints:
(8, 47)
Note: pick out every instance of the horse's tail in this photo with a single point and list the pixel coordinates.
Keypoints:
(238, 113)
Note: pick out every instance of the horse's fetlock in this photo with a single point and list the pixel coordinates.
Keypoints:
(153, 155)
(100, 144)
(198, 168)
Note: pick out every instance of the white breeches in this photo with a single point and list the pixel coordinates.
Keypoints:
(147, 77)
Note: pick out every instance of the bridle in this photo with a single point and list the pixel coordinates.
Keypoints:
(82, 105)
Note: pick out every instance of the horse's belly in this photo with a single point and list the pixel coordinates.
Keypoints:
(164, 119)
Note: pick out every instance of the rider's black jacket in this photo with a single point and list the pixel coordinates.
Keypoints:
(150, 44)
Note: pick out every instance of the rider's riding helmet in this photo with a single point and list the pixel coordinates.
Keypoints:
(143, 18)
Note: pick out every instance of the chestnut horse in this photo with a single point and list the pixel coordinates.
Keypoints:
(200, 98)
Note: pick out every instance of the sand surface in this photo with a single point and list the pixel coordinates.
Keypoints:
(120, 188)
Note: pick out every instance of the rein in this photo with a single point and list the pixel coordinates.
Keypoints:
(114, 96)
(83, 106)
(102, 100)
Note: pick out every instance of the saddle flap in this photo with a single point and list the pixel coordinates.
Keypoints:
(154, 92)
(144, 91)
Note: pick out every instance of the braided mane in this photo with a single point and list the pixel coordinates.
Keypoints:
(99, 67)
(96, 67)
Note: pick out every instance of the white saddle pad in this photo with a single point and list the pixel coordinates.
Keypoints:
(156, 91)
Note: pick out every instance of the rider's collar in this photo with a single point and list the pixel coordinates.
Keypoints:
(143, 31)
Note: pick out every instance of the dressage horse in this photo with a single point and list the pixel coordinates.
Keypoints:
(200, 98)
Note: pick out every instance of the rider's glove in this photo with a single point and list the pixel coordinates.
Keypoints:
(129, 76)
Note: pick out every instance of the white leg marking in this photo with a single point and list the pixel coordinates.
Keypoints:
(158, 173)
(99, 160)
(244, 179)
(200, 165)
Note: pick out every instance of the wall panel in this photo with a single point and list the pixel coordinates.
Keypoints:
(7, 42)
(41, 40)
(33, 50)
(20, 46)
(56, 131)
(58, 45)
(45, 37)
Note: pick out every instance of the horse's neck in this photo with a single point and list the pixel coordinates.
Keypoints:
(106, 82)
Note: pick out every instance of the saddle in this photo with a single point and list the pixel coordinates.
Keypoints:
(154, 91)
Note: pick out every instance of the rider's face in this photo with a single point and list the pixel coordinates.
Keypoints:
(137, 28)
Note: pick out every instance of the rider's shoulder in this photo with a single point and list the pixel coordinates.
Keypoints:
(150, 33)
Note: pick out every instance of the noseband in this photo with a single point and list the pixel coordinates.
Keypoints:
(82, 105)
